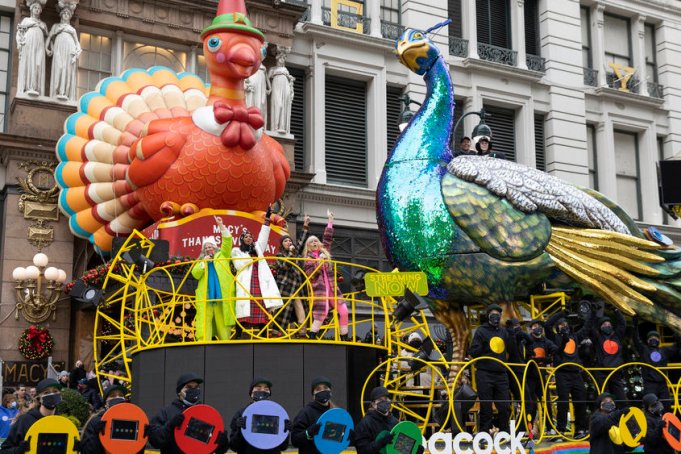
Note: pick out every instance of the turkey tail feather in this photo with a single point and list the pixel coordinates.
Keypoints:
(94, 152)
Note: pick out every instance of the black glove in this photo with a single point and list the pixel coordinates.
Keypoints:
(76, 445)
(176, 421)
(287, 425)
(99, 427)
(25, 445)
(222, 442)
(385, 441)
(268, 213)
(313, 429)
(145, 434)
(241, 422)
(420, 450)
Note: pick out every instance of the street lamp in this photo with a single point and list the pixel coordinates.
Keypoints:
(406, 115)
(34, 301)
(482, 129)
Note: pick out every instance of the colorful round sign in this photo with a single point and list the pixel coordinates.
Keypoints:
(672, 431)
(334, 433)
(53, 434)
(655, 356)
(265, 422)
(633, 427)
(199, 431)
(497, 345)
(406, 439)
(124, 429)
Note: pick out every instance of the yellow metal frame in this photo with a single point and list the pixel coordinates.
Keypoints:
(546, 305)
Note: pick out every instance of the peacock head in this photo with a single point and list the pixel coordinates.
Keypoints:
(416, 51)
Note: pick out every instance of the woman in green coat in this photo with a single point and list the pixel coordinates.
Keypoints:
(215, 292)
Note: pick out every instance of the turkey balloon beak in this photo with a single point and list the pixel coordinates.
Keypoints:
(244, 57)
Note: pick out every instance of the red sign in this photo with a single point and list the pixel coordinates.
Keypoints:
(185, 236)
(199, 431)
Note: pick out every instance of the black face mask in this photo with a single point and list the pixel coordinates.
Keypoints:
(657, 409)
(115, 401)
(564, 330)
(260, 395)
(609, 407)
(383, 407)
(653, 342)
(494, 319)
(607, 330)
(537, 332)
(322, 396)
(50, 401)
(192, 395)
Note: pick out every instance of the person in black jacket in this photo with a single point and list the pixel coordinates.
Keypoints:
(608, 346)
(651, 353)
(602, 420)
(516, 349)
(654, 441)
(89, 389)
(491, 378)
(260, 389)
(77, 374)
(162, 426)
(49, 395)
(569, 380)
(376, 420)
(90, 442)
(305, 425)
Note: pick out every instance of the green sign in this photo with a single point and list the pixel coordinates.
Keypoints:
(393, 284)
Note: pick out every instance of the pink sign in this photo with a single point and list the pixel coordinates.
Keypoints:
(186, 235)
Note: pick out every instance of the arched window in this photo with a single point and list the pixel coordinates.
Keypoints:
(138, 55)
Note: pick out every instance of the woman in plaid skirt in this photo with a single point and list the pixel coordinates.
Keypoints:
(256, 290)
(290, 279)
(327, 295)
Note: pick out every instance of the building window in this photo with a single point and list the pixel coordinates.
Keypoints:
(531, 10)
(298, 117)
(539, 150)
(393, 109)
(94, 63)
(617, 40)
(651, 59)
(627, 168)
(390, 11)
(139, 55)
(660, 157)
(493, 22)
(585, 16)
(346, 131)
(5, 65)
(591, 154)
(459, 133)
(202, 69)
(454, 10)
(502, 123)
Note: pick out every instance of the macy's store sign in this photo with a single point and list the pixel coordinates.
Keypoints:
(465, 443)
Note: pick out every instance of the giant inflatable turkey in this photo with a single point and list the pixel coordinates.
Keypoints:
(154, 143)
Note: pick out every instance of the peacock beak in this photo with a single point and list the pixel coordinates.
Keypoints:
(409, 51)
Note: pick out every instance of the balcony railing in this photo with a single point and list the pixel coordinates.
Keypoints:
(590, 77)
(497, 54)
(391, 30)
(655, 90)
(347, 20)
(615, 82)
(458, 46)
(535, 63)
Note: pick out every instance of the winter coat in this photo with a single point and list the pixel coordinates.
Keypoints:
(243, 263)
(368, 429)
(226, 279)
(6, 417)
(486, 339)
(654, 441)
(18, 430)
(161, 435)
(655, 356)
(609, 348)
(568, 344)
(601, 423)
(322, 279)
(306, 417)
(288, 274)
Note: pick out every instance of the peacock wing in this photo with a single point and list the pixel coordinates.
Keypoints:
(494, 224)
(94, 152)
(531, 190)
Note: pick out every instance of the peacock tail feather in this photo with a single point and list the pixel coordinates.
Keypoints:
(94, 152)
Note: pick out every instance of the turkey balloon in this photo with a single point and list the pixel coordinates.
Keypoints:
(154, 143)
(487, 230)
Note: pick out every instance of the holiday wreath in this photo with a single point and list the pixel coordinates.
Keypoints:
(36, 342)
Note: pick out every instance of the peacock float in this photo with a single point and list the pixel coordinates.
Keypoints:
(154, 143)
(487, 230)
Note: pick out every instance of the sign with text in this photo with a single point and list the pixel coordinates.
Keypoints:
(185, 236)
(393, 284)
(28, 373)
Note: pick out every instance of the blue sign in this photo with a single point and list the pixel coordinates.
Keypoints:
(334, 433)
(265, 424)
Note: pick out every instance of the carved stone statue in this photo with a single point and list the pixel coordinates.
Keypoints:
(31, 33)
(64, 48)
(257, 88)
(282, 93)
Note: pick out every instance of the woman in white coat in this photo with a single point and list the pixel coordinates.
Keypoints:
(256, 290)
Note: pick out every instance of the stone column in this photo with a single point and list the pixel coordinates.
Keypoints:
(669, 70)
(598, 42)
(518, 32)
(605, 159)
(469, 28)
(648, 157)
(317, 137)
(639, 51)
(373, 12)
(316, 12)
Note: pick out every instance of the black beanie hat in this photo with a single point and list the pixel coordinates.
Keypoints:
(493, 307)
(652, 334)
(258, 380)
(320, 381)
(648, 400)
(378, 392)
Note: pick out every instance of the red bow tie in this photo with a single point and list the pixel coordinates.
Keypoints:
(243, 122)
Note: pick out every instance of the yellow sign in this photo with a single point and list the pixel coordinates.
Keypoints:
(359, 11)
(623, 74)
(633, 427)
(393, 284)
(52, 434)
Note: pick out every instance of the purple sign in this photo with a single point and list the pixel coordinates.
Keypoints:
(265, 424)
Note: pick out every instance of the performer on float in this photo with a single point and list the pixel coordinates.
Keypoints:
(326, 292)
(290, 279)
(90, 442)
(256, 289)
(376, 420)
(602, 420)
(49, 396)
(654, 441)
(608, 344)
(215, 292)
(305, 425)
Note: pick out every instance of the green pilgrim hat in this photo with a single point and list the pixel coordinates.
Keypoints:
(231, 16)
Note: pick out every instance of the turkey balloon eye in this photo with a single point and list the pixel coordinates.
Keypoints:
(214, 44)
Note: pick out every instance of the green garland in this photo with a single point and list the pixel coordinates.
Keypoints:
(36, 342)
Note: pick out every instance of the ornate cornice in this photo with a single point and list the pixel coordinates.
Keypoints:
(339, 195)
(25, 148)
